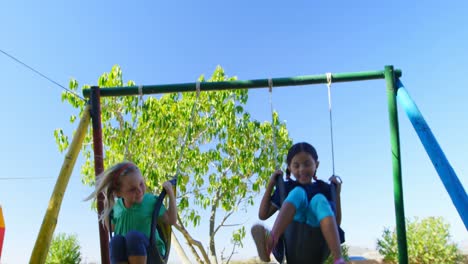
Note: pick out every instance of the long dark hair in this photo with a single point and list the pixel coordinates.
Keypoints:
(298, 148)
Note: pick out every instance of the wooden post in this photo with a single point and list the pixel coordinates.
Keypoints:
(41, 247)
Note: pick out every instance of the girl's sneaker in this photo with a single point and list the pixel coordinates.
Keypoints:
(339, 261)
(263, 241)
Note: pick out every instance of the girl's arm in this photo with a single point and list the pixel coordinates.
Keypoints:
(267, 209)
(170, 216)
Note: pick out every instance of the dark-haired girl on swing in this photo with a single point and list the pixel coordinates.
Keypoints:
(302, 162)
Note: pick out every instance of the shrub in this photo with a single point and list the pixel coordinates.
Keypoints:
(428, 242)
(64, 249)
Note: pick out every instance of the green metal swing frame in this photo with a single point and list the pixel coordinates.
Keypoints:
(389, 74)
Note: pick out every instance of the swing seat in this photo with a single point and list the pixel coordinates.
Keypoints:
(303, 243)
(154, 256)
(164, 230)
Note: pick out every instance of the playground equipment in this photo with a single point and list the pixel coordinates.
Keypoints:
(2, 231)
(395, 90)
(300, 242)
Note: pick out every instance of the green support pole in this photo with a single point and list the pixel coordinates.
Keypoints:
(390, 78)
(248, 84)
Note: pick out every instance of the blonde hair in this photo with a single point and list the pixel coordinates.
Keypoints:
(108, 183)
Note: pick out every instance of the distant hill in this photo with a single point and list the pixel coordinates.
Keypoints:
(358, 251)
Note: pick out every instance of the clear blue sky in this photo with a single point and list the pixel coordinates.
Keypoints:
(175, 42)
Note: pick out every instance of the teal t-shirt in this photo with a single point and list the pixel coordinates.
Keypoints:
(137, 218)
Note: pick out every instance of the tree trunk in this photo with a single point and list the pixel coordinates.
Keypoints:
(212, 245)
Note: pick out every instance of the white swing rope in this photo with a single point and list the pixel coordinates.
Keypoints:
(329, 82)
(139, 108)
(189, 127)
(275, 146)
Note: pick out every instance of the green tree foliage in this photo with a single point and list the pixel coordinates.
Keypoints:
(64, 249)
(227, 160)
(428, 242)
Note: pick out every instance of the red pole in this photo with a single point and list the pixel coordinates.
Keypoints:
(99, 166)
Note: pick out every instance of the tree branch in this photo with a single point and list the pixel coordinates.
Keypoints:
(191, 242)
(232, 252)
(226, 216)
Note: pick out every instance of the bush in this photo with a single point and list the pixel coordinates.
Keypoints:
(428, 242)
(64, 249)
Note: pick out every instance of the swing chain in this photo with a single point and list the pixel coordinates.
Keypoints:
(275, 146)
(138, 107)
(189, 128)
(329, 82)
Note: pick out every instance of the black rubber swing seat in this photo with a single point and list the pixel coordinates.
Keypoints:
(164, 230)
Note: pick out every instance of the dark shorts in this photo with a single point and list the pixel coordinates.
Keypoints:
(133, 244)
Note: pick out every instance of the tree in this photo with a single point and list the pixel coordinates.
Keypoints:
(428, 242)
(64, 249)
(227, 159)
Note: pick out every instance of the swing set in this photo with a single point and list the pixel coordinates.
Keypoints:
(395, 91)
